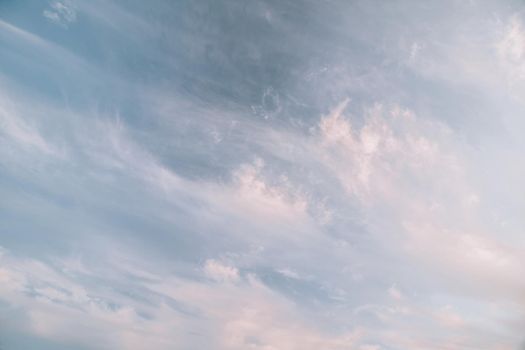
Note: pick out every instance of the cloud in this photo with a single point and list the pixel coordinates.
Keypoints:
(62, 13)
(24, 134)
(247, 314)
(228, 177)
(268, 217)
(219, 272)
(374, 164)
(511, 47)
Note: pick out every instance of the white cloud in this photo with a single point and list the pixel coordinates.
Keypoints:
(220, 272)
(415, 48)
(395, 293)
(253, 194)
(61, 12)
(247, 314)
(392, 148)
(511, 47)
(365, 202)
(376, 164)
(22, 133)
(289, 273)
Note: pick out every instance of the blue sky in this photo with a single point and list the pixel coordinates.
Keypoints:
(262, 175)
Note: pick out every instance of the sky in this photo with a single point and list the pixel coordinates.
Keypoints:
(262, 174)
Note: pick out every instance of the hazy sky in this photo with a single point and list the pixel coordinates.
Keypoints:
(248, 174)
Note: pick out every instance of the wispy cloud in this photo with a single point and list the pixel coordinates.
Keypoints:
(212, 175)
(61, 13)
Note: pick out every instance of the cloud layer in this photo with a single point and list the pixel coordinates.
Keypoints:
(261, 175)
